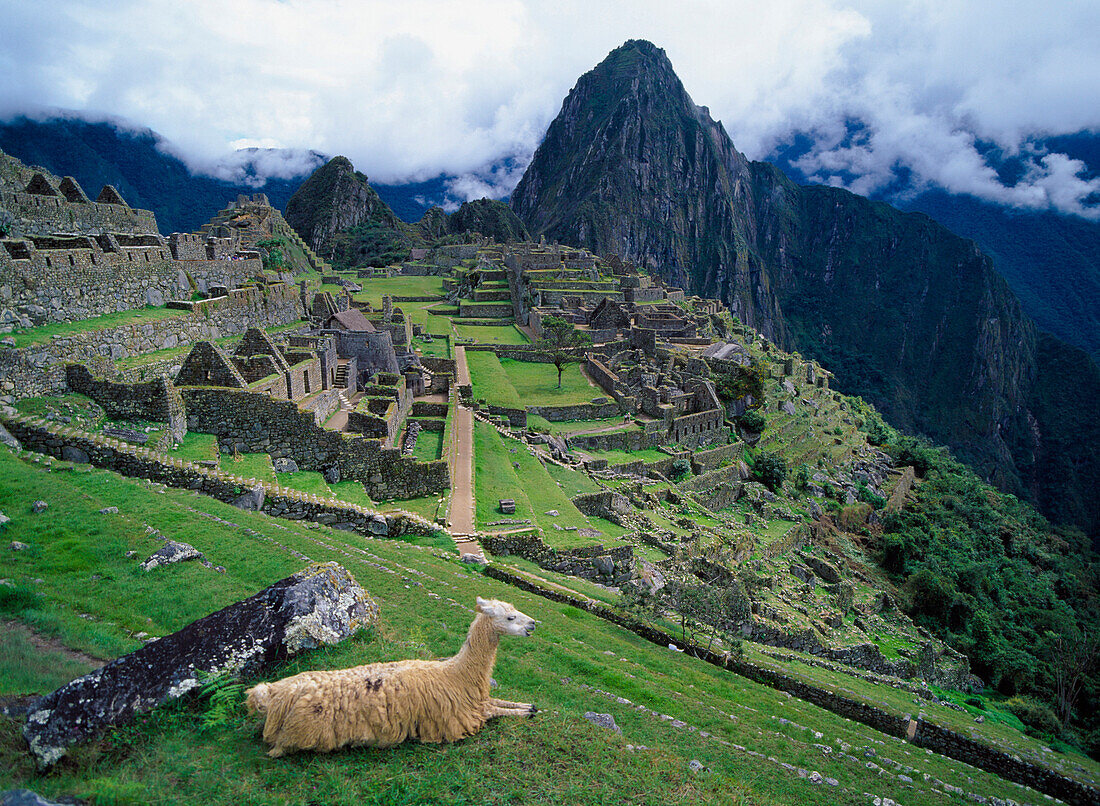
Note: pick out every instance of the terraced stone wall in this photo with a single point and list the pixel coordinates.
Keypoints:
(39, 369)
(249, 423)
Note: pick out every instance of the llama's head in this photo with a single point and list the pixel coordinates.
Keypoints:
(506, 619)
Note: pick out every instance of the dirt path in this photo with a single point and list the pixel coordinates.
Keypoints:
(462, 473)
(48, 643)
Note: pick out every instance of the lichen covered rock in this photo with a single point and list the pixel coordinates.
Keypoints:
(322, 604)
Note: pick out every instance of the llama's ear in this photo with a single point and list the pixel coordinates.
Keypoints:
(487, 607)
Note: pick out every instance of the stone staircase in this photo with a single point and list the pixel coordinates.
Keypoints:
(341, 380)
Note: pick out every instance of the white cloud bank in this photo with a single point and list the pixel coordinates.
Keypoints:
(413, 89)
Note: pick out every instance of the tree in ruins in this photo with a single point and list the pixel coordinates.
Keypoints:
(561, 343)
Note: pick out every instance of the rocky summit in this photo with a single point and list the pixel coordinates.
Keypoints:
(906, 314)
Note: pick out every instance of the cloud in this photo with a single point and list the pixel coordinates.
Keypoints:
(412, 90)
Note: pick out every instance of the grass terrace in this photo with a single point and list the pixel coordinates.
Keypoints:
(488, 334)
(44, 333)
(374, 288)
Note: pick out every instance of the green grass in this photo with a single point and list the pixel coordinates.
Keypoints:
(352, 491)
(489, 380)
(44, 333)
(307, 481)
(572, 482)
(622, 457)
(491, 334)
(197, 447)
(495, 478)
(533, 488)
(427, 506)
(27, 669)
(251, 466)
(375, 288)
(429, 446)
(557, 757)
(536, 384)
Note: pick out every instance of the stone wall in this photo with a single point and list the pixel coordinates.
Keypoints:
(703, 461)
(629, 438)
(372, 351)
(42, 215)
(579, 411)
(700, 429)
(901, 489)
(716, 489)
(39, 369)
(245, 422)
(517, 418)
(55, 285)
(613, 566)
(135, 462)
(123, 401)
(605, 504)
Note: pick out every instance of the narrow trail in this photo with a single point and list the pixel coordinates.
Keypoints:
(462, 523)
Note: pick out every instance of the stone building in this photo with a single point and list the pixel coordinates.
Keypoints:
(67, 257)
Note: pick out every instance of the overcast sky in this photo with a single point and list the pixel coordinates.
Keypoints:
(414, 88)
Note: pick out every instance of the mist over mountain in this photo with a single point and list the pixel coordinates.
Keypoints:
(141, 165)
(906, 313)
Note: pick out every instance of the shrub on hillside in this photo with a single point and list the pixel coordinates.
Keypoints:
(1035, 715)
(680, 468)
(752, 421)
(770, 469)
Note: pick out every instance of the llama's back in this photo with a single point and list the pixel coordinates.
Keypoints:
(323, 710)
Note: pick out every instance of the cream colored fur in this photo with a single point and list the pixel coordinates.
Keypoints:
(383, 704)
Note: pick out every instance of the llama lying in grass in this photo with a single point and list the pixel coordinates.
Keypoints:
(383, 704)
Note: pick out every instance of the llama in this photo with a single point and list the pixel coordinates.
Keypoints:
(383, 704)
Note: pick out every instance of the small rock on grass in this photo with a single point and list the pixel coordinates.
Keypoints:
(18, 546)
(602, 720)
(39, 506)
(173, 552)
(109, 511)
(696, 766)
(4, 520)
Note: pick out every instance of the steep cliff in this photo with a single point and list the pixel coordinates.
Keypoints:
(903, 311)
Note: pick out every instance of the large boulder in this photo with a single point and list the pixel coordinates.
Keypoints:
(322, 604)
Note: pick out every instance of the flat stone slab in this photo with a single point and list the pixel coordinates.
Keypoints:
(322, 604)
(128, 434)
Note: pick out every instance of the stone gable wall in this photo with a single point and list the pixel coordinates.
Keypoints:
(43, 215)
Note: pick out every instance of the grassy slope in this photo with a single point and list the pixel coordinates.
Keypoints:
(565, 668)
(530, 485)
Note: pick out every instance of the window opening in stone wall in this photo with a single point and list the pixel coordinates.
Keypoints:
(305, 379)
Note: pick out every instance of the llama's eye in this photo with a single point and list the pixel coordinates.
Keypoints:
(511, 618)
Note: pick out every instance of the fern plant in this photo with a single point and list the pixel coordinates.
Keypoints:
(224, 694)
